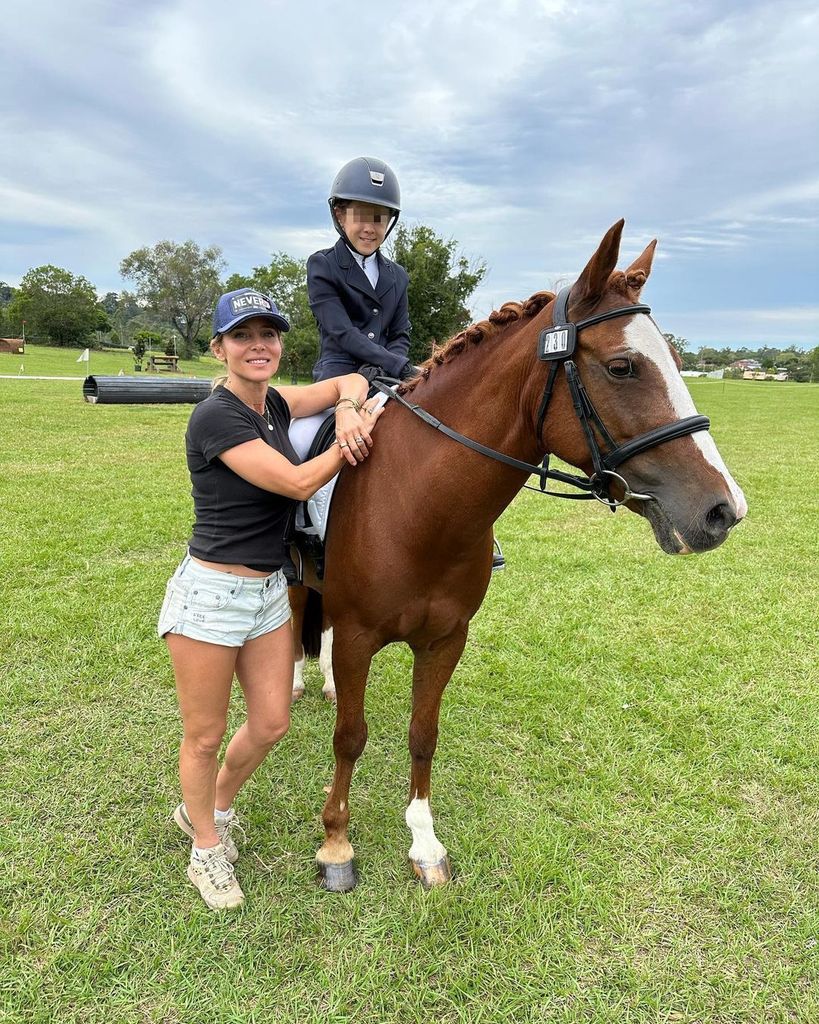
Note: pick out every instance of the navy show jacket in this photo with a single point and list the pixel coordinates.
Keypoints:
(358, 324)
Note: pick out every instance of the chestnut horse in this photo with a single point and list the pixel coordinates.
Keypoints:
(409, 543)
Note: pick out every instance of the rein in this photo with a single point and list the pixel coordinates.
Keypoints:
(556, 344)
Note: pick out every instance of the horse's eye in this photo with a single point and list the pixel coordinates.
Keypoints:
(620, 368)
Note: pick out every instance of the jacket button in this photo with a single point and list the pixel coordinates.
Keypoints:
(371, 335)
(375, 311)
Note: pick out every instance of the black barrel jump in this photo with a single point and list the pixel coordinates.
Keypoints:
(144, 390)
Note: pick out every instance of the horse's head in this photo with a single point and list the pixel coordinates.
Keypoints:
(632, 376)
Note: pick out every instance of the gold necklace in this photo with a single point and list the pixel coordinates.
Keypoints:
(265, 414)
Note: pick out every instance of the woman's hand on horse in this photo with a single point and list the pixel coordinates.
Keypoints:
(353, 430)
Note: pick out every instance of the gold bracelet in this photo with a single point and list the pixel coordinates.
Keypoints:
(353, 402)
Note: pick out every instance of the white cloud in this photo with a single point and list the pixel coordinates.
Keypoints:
(523, 130)
(777, 327)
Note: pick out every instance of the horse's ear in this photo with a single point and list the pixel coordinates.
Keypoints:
(638, 272)
(592, 282)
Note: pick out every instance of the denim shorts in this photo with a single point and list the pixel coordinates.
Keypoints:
(220, 608)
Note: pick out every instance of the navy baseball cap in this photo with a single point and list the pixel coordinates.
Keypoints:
(233, 308)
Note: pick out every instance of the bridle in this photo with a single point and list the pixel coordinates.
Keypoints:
(556, 345)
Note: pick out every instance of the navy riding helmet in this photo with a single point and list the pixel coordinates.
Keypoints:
(367, 180)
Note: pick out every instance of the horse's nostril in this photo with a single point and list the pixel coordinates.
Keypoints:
(720, 518)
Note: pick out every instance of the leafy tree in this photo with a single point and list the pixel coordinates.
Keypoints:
(677, 343)
(712, 357)
(147, 340)
(131, 317)
(127, 307)
(768, 357)
(440, 284)
(56, 305)
(110, 303)
(138, 349)
(6, 295)
(103, 323)
(285, 281)
(179, 282)
(813, 363)
(790, 358)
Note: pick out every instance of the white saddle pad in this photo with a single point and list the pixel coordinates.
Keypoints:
(301, 432)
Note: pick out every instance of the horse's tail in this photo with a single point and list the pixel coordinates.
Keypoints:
(311, 627)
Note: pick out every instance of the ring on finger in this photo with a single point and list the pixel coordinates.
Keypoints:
(343, 444)
(358, 440)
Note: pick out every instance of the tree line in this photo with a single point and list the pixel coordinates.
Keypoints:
(802, 365)
(174, 288)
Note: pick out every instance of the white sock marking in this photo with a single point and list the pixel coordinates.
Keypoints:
(326, 660)
(425, 847)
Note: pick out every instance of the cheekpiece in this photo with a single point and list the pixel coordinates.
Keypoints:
(559, 340)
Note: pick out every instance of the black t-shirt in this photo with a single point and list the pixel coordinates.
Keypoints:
(235, 520)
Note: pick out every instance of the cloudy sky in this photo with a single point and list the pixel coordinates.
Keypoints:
(521, 129)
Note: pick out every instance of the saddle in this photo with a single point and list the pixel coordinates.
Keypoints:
(309, 524)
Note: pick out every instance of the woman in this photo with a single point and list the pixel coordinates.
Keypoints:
(226, 610)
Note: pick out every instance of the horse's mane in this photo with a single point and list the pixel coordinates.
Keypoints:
(475, 333)
(628, 285)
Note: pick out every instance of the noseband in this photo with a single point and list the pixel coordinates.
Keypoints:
(556, 344)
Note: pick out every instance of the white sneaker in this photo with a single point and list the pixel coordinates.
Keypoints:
(223, 830)
(212, 874)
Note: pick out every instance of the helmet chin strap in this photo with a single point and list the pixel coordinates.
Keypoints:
(349, 244)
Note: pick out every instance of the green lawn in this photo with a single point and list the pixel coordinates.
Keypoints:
(625, 780)
(44, 360)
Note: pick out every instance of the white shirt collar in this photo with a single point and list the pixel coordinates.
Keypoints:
(369, 264)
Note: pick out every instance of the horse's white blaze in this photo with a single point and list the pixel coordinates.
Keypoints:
(643, 336)
(298, 674)
(326, 660)
(425, 847)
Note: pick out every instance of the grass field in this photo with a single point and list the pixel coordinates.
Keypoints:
(47, 361)
(626, 777)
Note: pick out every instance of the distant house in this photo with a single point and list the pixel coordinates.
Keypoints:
(13, 345)
(746, 364)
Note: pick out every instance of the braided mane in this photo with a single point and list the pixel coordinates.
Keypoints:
(472, 335)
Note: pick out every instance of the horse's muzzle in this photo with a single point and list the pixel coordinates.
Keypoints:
(685, 534)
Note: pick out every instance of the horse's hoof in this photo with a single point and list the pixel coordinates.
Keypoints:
(338, 877)
(297, 694)
(432, 875)
(330, 696)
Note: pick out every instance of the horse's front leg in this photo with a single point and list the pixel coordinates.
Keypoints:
(432, 670)
(351, 662)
